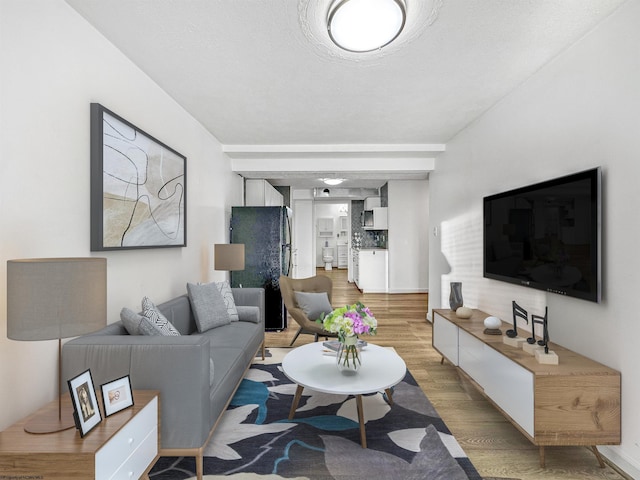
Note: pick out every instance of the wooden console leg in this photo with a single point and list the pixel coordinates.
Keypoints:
(442, 361)
(595, 451)
(542, 461)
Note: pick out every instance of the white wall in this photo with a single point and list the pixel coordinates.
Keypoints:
(580, 111)
(303, 240)
(408, 245)
(54, 64)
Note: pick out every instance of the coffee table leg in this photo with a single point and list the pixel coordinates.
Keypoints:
(296, 399)
(389, 392)
(363, 434)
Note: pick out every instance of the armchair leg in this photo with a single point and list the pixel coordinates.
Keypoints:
(296, 336)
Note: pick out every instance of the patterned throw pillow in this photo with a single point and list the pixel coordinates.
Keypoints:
(155, 323)
(227, 295)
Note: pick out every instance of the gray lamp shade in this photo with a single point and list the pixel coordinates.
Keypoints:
(53, 298)
(228, 256)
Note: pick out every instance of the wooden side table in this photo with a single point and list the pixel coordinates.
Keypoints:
(123, 445)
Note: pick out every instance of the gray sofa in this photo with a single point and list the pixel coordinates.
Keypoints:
(192, 398)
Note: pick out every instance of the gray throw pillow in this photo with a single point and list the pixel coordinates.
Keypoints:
(313, 304)
(131, 321)
(208, 306)
(155, 323)
(225, 290)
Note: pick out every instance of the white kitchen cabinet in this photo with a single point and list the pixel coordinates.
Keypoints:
(260, 193)
(376, 219)
(373, 271)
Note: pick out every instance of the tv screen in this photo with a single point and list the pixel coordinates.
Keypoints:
(547, 235)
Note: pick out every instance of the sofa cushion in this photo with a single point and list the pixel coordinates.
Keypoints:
(154, 322)
(225, 290)
(208, 306)
(248, 314)
(131, 321)
(313, 304)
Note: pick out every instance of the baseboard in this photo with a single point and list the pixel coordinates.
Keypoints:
(620, 461)
(409, 290)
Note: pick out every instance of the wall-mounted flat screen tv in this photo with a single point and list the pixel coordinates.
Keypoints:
(547, 236)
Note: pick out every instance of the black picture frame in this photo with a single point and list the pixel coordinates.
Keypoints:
(117, 395)
(138, 187)
(86, 409)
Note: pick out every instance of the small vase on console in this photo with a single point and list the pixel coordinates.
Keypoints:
(455, 296)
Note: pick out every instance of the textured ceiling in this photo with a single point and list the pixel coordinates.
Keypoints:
(258, 72)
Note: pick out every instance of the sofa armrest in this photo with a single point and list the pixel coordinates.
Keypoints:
(176, 366)
(250, 297)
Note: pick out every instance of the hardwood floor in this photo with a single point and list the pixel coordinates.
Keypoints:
(494, 446)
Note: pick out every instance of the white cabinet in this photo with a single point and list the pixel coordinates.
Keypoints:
(379, 220)
(260, 193)
(344, 224)
(372, 202)
(373, 271)
(445, 338)
(343, 256)
(325, 227)
(574, 403)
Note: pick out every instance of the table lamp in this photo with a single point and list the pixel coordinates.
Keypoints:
(228, 256)
(55, 298)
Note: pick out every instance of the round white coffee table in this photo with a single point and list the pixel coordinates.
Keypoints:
(310, 366)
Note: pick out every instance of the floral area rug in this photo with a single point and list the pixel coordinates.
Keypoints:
(255, 439)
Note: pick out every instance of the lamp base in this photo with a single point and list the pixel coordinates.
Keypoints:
(49, 421)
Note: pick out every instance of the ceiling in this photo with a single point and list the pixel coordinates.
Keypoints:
(263, 77)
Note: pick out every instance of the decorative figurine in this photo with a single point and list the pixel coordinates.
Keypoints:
(544, 341)
(518, 311)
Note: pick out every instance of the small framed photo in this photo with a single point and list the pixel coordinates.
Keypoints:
(85, 403)
(117, 395)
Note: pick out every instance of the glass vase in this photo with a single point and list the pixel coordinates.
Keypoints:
(349, 356)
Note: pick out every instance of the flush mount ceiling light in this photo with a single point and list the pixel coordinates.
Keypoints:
(365, 25)
(333, 181)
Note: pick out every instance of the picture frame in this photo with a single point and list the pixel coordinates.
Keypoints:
(86, 409)
(117, 395)
(138, 187)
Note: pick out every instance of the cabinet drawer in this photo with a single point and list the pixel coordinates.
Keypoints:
(510, 386)
(445, 338)
(471, 357)
(140, 459)
(124, 443)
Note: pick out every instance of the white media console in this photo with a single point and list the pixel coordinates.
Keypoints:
(576, 402)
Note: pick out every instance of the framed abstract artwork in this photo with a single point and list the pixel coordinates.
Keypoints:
(138, 187)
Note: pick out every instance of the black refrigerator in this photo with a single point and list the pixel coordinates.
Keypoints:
(266, 234)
